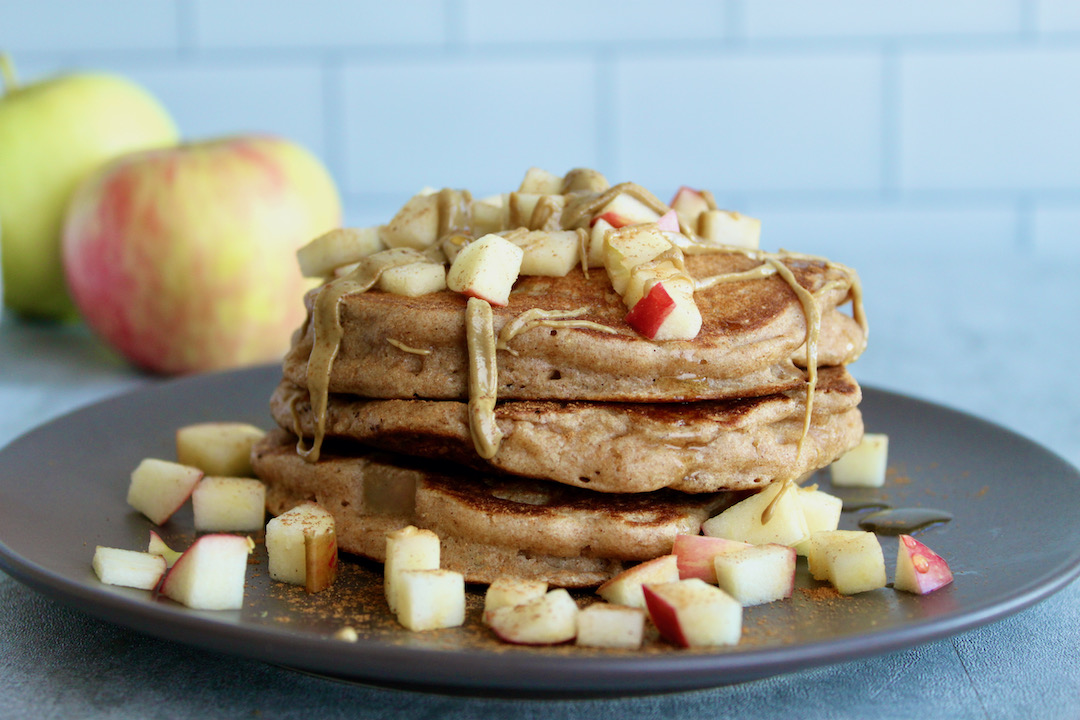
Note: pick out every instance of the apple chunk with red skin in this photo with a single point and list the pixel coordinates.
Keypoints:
(159, 487)
(626, 210)
(486, 269)
(210, 573)
(689, 204)
(696, 555)
(625, 588)
(183, 259)
(919, 569)
(666, 312)
(693, 613)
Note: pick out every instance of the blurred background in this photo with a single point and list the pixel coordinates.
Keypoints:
(932, 145)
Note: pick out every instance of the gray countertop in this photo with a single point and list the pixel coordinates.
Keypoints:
(994, 336)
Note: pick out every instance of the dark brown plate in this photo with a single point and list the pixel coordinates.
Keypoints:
(62, 492)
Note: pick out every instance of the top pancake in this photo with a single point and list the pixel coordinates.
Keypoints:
(752, 340)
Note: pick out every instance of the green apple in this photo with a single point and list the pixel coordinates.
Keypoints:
(184, 259)
(52, 134)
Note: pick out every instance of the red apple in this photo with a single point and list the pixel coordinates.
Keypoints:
(650, 312)
(689, 204)
(184, 259)
(692, 613)
(919, 569)
(669, 222)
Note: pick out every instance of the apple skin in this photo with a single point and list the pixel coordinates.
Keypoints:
(52, 134)
(649, 313)
(184, 259)
(919, 569)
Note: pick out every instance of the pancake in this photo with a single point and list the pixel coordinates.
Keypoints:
(752, 341)
(488, 525)
(707, 446)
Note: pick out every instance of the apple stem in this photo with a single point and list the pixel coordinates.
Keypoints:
(7, 73)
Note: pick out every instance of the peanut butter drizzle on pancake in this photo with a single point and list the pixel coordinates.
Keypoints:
(483, 377)
(545, 318)
(326, 322)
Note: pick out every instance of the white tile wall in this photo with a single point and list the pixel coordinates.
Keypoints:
(861, 125)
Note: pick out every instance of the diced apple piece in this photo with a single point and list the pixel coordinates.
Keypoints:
(742, 521)
(597, 236)
(667, 312)
(488, 217)
(757, 574)
(414, 279)
(218, 448)
(340, 246)
(626, 210)
(409, 548)
(919, 569)
(430, 599)
(546, 620)
(668, 222)
(229, 504)
(723, 227)
(864, 465)
(416, 224)
(625, 588)
(157, 546)
(696, 555)
(520, 208)
(822, 512)
(849, 559)
(549, 254)
(158, 488)
(625, 249)
(301, 547)
(689, 204)
(128, 568)
(541, 182)
(692, 613)
(486, 269)
(610, 626)
(507, 590)
(210, 574)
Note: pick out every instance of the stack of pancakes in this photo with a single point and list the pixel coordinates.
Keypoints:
(611, 443)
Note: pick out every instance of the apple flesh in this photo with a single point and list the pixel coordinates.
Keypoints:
(547, 620)
(864, 465)
(721, 227)
(337, 248)
(666, 312)
(743, 521)
(696, 555)
(693, 613)
(603, 625)
(218, 448)
(128, 568)
(625, 588)
(183, 259)
(486, 269)
(210, 574)
(626, 210)
(409, 548)
(508, 591)
(919, 569)
(414, 279)
(541, 182)
(157, 546)
(548, 253)
(822, 512)
(757, 574)
(416, 224)
(301, 547)
(851, 560)
(625, 249)
(52, 134)
(229, 504)
(487, 216)
(431, 599)
(159, 487)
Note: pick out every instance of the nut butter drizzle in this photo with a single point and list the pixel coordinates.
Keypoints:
(483, 377)
(545, 318)
(327, 332)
